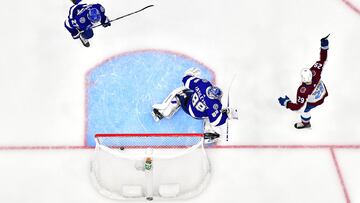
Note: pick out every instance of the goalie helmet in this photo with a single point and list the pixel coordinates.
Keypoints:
(94, 15)
(214, 92)
(306, 75)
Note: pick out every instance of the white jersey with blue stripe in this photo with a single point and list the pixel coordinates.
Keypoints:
(200, 106)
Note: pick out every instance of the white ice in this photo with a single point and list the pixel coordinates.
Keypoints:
(265, 43)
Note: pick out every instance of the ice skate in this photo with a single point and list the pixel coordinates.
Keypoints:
(84, 41)
(302, 125)
(210, 138)
(157, 115)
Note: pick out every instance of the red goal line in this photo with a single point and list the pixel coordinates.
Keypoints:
(62, 147)
(151, 135)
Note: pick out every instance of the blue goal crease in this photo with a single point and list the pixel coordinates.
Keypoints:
(121, 91)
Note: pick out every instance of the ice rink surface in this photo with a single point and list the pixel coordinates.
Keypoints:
(265, 43)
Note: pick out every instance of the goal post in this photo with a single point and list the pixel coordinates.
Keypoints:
(150, 166)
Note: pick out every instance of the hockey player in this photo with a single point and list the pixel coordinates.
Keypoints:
(312, 90)
(82, 18)
(199, 99)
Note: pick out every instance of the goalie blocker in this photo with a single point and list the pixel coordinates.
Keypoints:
(199, 99)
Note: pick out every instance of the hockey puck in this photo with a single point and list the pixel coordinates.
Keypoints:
(122, 148)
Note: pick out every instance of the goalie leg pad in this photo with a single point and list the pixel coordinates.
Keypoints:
(169, 107)
(169, 98)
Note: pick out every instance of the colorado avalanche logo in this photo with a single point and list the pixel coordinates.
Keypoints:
(313, 73)
(302, 89)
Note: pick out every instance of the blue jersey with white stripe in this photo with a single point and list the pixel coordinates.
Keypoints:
(200, 105)
(78, 20)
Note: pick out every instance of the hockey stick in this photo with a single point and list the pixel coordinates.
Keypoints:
(228, 105)
(129, 14)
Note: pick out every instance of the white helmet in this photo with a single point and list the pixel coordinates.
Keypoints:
(306, 75)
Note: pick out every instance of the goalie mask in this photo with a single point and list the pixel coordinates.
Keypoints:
(94, 15)
(214, 92)
(306, 75)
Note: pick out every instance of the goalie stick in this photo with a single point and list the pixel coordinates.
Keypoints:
(129, 14)
(228, 105)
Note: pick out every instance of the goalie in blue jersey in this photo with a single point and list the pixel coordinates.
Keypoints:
(81, 19)
(199, 99)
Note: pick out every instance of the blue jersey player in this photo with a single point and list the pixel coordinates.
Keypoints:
(81, 19)
(199, 99)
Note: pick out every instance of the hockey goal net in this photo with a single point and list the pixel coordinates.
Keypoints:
(151, 166)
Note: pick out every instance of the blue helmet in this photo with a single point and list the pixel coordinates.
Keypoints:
(94, 15)
(214, 92)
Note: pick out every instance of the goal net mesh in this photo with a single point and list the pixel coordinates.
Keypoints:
(151, 166)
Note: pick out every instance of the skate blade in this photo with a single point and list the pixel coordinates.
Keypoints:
(156, 119)
(211, 141)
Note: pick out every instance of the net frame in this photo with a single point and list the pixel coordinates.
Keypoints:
(146, 152)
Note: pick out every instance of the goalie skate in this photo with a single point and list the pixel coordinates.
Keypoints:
(302, 125)
(210, 138)
(157, 115)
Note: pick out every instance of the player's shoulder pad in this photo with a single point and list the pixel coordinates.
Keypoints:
(205, 81)
(214, 104)
(214, 109)
(79, 6)
(76, 10)
(186, 78)
(99, 7)
(196, 80)
(304, 90)
(202, 82)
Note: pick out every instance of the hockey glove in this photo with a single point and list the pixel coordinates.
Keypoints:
(75, 33)
(193, 72)
(232, 113)
(76, 36)
(283, 101)
(107, 23)
(325, 42)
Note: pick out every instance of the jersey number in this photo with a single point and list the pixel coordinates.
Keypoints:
(74, 23)
(197, 103)
(301, 100)
(317, 65)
